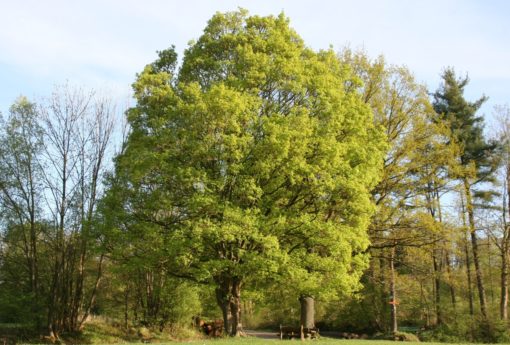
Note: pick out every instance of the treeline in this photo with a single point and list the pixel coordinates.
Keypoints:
(439, 239)
(53, 157)
(263, 169)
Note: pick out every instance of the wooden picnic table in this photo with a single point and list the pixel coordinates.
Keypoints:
(289, 332)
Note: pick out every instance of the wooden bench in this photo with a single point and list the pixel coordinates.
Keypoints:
(289, 332)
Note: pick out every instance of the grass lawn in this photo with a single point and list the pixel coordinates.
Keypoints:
(326, 341)
(258, 341)
(100, 333)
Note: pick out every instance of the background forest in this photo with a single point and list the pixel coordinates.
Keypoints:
(251, 174)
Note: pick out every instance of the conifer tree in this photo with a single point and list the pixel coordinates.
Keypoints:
(477, 157)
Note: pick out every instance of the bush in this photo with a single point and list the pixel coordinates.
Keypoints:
(398, 336)
(468, 331)
(458, 332)
(494, 332)
(403, 336)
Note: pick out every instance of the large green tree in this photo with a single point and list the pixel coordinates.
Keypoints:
(253, 162)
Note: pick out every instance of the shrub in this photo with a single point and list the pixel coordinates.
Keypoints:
(403, 336)
(399, 336)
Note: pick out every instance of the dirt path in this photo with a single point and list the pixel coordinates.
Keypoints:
(274, 335)
(261, 334)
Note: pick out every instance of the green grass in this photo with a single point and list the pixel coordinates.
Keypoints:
(256, 341)
(100, 333)
(325, 341)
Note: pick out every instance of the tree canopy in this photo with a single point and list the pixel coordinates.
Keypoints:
(253, 162)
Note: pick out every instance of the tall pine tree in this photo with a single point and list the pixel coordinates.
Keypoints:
(477, 157)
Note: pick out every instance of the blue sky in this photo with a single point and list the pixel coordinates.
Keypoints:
(102, 44)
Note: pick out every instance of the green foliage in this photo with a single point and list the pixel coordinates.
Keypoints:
(166, 62)
(20, 143)
(181, 303)
(415, 172)
(398, 336)
(468, 330)
(100, 331)
(477, 156)
(254, 165)
(403, 336)
(15, 307)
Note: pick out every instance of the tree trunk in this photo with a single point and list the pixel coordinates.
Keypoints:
(490, 276)
(437, 199)
(437, 287)
(235, 308)
(223, 302)
(126, 307)
(424, 305)
(376, 298)
(469, 280)
(53, 304)
(307, 313)
(479, 279)
(468, 260)
(393, 293)
(450, 285)
(505, 246)
(93, 294)
(382, 289)
(476, 258)
(503, 307)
